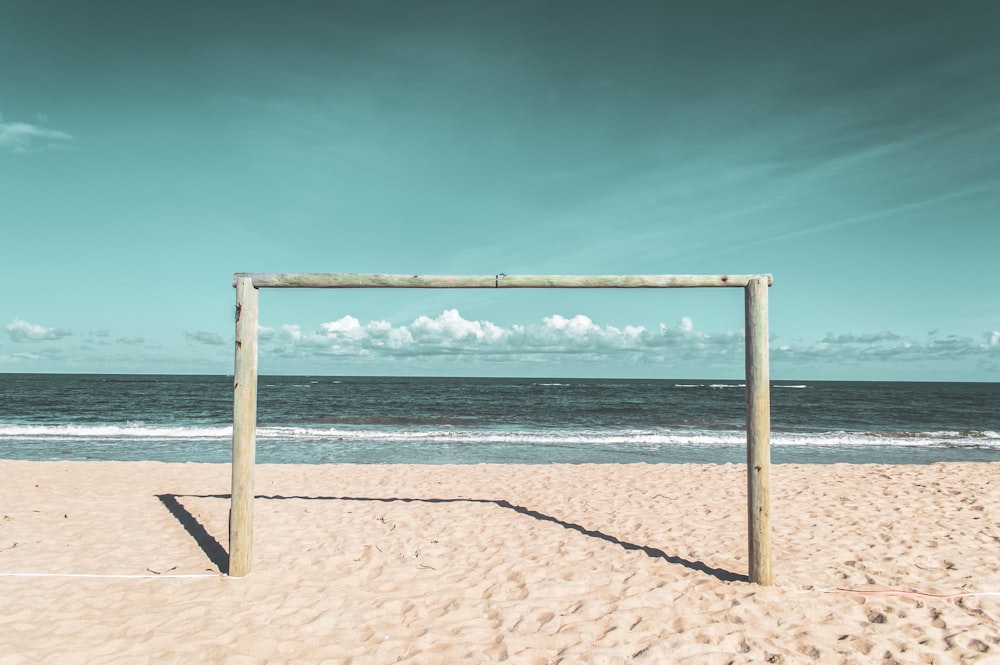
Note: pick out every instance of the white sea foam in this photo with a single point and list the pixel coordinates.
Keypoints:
(124, 432)
(710, 385)
(135, 432)
(732, 385)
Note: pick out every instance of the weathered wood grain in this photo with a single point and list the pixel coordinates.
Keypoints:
(758, 392)
(244, 430)
(376, 281)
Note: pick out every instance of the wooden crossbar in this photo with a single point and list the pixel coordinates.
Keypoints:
(271, 280)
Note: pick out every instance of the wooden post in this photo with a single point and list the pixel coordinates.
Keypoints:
(758, 382)
(244, 429)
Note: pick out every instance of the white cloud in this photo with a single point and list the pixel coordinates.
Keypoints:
(292, 331)
(24, 137)
(22, 331)
(16, 358)
(205, 337)
(348, 328)
(865, 338)
(451, 327)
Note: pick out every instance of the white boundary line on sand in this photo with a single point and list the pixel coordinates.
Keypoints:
(117, 577)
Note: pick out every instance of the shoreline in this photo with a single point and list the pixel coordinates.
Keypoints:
(458, 454)
(603, 563)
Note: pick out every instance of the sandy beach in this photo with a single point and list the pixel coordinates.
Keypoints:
(110, 562)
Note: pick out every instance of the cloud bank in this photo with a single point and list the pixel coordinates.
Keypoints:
(886, 346)
(556, 339)
(451, 335)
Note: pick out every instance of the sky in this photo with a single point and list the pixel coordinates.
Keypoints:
(148, 151)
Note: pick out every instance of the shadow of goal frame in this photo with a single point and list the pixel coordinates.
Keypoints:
(758, 396)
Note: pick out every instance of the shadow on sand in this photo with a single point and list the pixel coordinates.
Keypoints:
(218, 555)
(215, 552)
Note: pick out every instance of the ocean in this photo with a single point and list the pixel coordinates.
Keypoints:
(320, 419)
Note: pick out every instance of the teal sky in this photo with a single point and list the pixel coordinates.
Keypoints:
(852, 149)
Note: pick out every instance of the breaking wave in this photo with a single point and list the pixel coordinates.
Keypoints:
(683, 437)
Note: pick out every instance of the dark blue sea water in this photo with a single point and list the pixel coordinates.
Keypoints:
(471, 420)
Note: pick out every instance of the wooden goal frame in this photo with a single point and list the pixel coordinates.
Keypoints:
(758, 395)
